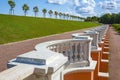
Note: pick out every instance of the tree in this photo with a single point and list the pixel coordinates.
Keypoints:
(64, 15)
(110, 18)
(106, 19)
(88, 19)
(56, 14)
(36, 10)
(25, 8)
(67, 15)
(12, 6)
(44, 12)
(92, 19)
(50, 13)
(60, 14)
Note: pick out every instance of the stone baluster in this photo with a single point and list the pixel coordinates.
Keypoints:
(64, 51)
(78, 50)
(75, 52)
(59, 48)
(89, 58)
(51, 48)
(54, 48)
(81, 51)
(71, 52)
(86, 48)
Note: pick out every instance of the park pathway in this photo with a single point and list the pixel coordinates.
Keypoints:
(114, 65)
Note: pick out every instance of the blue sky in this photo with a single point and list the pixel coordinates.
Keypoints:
(77, 7)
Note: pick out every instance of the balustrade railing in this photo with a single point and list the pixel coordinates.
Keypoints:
(92, 34)
(101, 31)
(50, 58)
(77, 50)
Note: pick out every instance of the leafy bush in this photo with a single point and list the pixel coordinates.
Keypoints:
(117, 27)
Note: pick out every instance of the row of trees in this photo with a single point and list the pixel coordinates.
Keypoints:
(25, 8)
(60, 14)
(92, 19)
(110, 18)
(106, 18)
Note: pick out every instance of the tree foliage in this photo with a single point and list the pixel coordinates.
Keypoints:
(36, 10)
(92, 19)
(44, 12)
(56, 14)
(50, 13)
(12, 6)
(110, 18)
(25, 8)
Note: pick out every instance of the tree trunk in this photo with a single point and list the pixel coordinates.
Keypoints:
(35, 14)
(44, 15)
(25, 12)
(50, 15)
(10, 11)
(13, 11)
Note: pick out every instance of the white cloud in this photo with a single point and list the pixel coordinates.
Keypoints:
(85, 2)
(109, 4)
(100, 4)
(118, 3)
(77, 3)
(82, 7)
(57, 1)
(85, 7)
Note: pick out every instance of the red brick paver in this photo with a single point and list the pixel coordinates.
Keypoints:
(114, 55)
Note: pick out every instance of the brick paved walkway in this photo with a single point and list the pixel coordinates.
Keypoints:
(114, 55)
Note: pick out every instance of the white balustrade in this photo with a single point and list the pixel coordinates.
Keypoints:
(49, 59)
(76, 50)
(101, 31)
(92, 34)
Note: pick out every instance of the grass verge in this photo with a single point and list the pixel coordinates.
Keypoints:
(117, 27)
(17, 28)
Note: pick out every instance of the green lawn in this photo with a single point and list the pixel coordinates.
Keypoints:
(117, 27)
(17, 28)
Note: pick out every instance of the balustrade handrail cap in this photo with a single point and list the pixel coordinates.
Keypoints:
(37, 55)
(45, 45)
(18, 72)
(91, 32)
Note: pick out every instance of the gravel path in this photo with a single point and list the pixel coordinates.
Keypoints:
(11, 50)
(114, 55)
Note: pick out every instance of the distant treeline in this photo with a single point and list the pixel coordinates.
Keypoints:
(106, 19)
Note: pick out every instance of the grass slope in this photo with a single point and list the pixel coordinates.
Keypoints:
(117, 27)
(16, 28)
